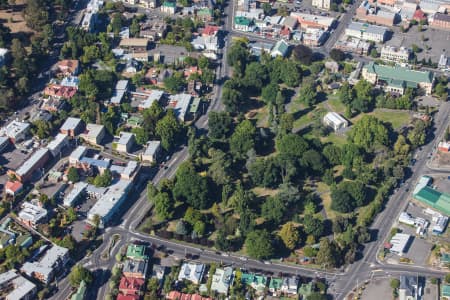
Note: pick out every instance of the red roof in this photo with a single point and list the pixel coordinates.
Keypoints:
(192, 70)
(185, 297)
(127, 297)
(196, 297)
(285, 31)
(173, 295)
(419, 15)
(13, 186)
(60, 91)
(131, 283)
(210, 30)
(68, 65)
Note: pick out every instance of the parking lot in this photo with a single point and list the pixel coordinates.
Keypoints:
(431, 41)
(377, 289)
(79, 226)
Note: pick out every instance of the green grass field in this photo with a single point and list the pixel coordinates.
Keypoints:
(335, 104)
(338, 140)
(396, 118)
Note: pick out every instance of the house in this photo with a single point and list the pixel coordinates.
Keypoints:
(135, 269)
(290, 285)
(119, 92)
(149, 3)
(52, 104)
(16, 131)
(275, 285)
(332, 66)
(399, 243)
(16, 287)
(281, 48)
(71, 127)
(306, 290)
(335, 121)
(147, 97)
(137, 252)
(208, 43)
(180, 104)
(80, 293)
(367, 32)
(151, 152)
(44, 270)
(419, 16)
(127, 297)
(56, 145)
(139, 57)
(132, 66)
(6, 238)
(35, 162)
(125, 142)
(285, 33)
(210, 30)
(131, 285)
(153, 29)
(440, 21)
(13, 187)
(409, 288)
(322, 4)
(134, 44)
(192, 272)
(93, 134)
(397, 79)
(257, 282)
(68, 67)
(243, 24)
(169, 7)
(59, 92)
(257, 48)
(394, 54)
(70, 81)
(222, 279)
(444, 146)
(32, 214)
(158, 272)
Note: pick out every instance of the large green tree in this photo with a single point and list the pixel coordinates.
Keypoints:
(169, 129)
(242, 139)
(191, 187)
(258, 244)
(78, 274)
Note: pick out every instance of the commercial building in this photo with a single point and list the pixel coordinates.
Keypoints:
(75, 194)
(394, 54)
(135, 269)
(354, 45)
(409, 288)
(93, 134)
(151, 152)
(373, 14)
(137, 252)
(32, 214)
(243, 24)
(445, 292)
(314, 37)
(125, 142)
(313, 21)
(399, 242)
(192, 272)
(147, 98)
(44, 269)
(322, 4)
(440, 21)
(119, 92)
(367, 32)
(76, 155)
(36, 161)
(13, 286)
(222, 280)
(13, 187)
(56, 145)
(335, 121)
(16, 131)
(180, 104)
(440, 224)
(431, 197)
(397, 79)
(71, 127)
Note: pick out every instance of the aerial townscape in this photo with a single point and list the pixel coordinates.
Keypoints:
(224, 149)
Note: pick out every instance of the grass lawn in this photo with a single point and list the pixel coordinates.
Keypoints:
(326, 201)
(335, 104)
(338, 140)
(303, 121)
(263, 192)
(262, 117)
(396, 118)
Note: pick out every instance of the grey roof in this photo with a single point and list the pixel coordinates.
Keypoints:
(22, 288)
(364, 27)
(7, 276)
(32, 161)
(155, 95)
(93, 130)
(71, 123)
(59, 139)
(152, 147)
(78, 153)
(130, 168)
(180, 104)
(77, 190)
(441, 17)
(409, 284)
(99, 163)
(124, 137)
(14, 128)
(132, 266)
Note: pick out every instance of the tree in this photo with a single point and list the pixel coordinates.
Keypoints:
(395, 283)
(181, 228)
(237, 57)
(78, 274)
(333, 154)
(231, 98)
(191, 187)
(258, 244)
(269, 93)
(341, 201)
(168, 129)
(164, 206)
(273, 209)
(291, 145)
(308, 95)
(313, 226)
(221, 242)
(368, 132)
(286, 124)
(72, 175)
(289, 235)
(219, 124)
(42, 129)
(242, 139)
(327, 255)
(116, 24)
(337, 55)
(313, 160)
(417, 136)
(374, 53)
(316, 296)
(303, 54)
(267, 8)
(103, 180)
(256, 76)
(175, 83)
(36, 14)
(134, 27)
(141, 135)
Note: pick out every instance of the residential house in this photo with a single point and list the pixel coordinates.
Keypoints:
(93, 134)
(158, 272)
(146, 98)
(135, 268)
(367, 32)
(68, 67)
(151, 152)
(210, 30)
(13, 188)
(137, 252)
(257, 282)
(285, 33)
(119, 92)
(394, 54)
(32, 164)
(306, 290)
(192, 272)
(291, 23)
(134, 44)
(290, 285)
(153, 29)
(222, 279)
(16, 131)
(444, 146)
(397, 79)
(70, 81)
(332, 66)
(71, 127)
(322, 4)
(281, 48)
(409, 288)
(275, 285)
(6, 238)
(139, 57)
(180, 104)
(131, 285)
(335, 121)
(243, 24)
(125, 142)
(257, 48)
(59, 92)
(207, 43)
(440, 21)
(169, 7)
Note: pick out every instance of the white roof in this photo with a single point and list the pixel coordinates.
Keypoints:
(192, 272)
(130, 168)
(93, 130)
(3, 51)
(71, 123)
(59, 139)
(7, 276)
(52, 256)
(32, 213)
(155, 95)
(406, 218)
(14, 129)
(364, 27)
(78, 153)
(77, 189)
(221, 280)
(335, 118)
(121, 85)
(22, 287)
(31, 162)
(117, 96)
(399, 242)
(180, 104)
(152, 147)
(325, 21)
(35, 267)
(124, 137)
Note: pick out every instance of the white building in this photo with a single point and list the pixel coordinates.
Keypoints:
(290, 285)
(180, 104)
(16, 287)
(367, 32)
(150, 97)
(222, 279)
(322, 4)
(119, 92)
(56, 145)
(125, 142)
(281, 48)
(406, 218)
(90, 15)
(16, 131)
(93, 134)
(399, 55)
(150, 154)
(440, 224)
(192, 272)
(399, 242)
(75, 194)
(443, 62)
(335, 121)
(76, 155)
(32, 214)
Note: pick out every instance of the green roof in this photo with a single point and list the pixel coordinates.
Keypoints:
(305, 289)
(446, 290)
(135, 121)
(445, 258)
(205, 11)
(242, 21)
(169, 4)
(251, 279)
(24, 240)
(79, 295)
(396, 83)
(275, 283)
(194, 106)
(434, 198)
(137, 252)
(410, 77)
(281, 46)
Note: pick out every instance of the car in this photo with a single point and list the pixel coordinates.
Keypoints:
(243, 258)
(267, 262)
(225, 254)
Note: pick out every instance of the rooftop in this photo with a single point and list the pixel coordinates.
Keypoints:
(30, 163)
(125, 137)
(14, 128)
(133, 42)
(59, 139)
(364, 27)
(71, 124)
(152, 147)
(399, 73)
(137, 252)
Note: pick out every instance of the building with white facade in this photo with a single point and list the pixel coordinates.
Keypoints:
(399, 242)
(93, 134)
(180, 104)
(125, 142)
(192, 272)
(335, 121)
(56, 145)
(75, 194)
(322, 4)
(16, 131)
(367, 32)
(150, 154)
(399, 55)
(32, 214)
